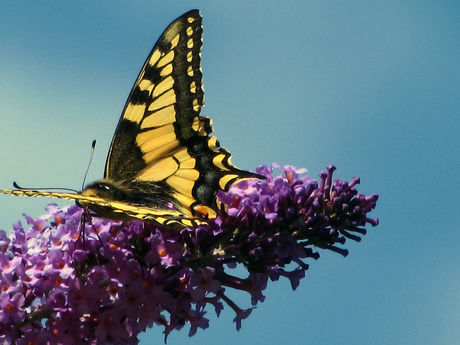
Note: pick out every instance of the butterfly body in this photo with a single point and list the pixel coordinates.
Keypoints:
(162, 165)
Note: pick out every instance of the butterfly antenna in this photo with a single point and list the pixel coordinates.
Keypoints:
(15, 185)
(93, 146)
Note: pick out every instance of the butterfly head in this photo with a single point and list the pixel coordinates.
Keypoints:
(106, 190)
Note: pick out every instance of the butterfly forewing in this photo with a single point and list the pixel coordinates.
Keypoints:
(163, 107)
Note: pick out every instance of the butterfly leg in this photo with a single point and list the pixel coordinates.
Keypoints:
(86, 218)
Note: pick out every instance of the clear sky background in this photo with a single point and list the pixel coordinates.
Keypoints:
(370, 86)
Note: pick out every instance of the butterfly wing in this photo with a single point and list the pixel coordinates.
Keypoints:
(113, 209)
(163, 104)
(161, 138)
(162, 164)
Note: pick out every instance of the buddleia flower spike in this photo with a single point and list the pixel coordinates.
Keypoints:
(185, 219)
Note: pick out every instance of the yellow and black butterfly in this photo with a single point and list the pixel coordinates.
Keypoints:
(162, 165)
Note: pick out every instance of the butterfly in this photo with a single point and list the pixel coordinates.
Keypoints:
(162, 165)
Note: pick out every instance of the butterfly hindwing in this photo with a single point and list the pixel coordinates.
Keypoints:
(114, 209)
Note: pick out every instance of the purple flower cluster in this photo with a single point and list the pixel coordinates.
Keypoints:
(70, 281)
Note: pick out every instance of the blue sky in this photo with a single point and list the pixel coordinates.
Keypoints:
(370, 86)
